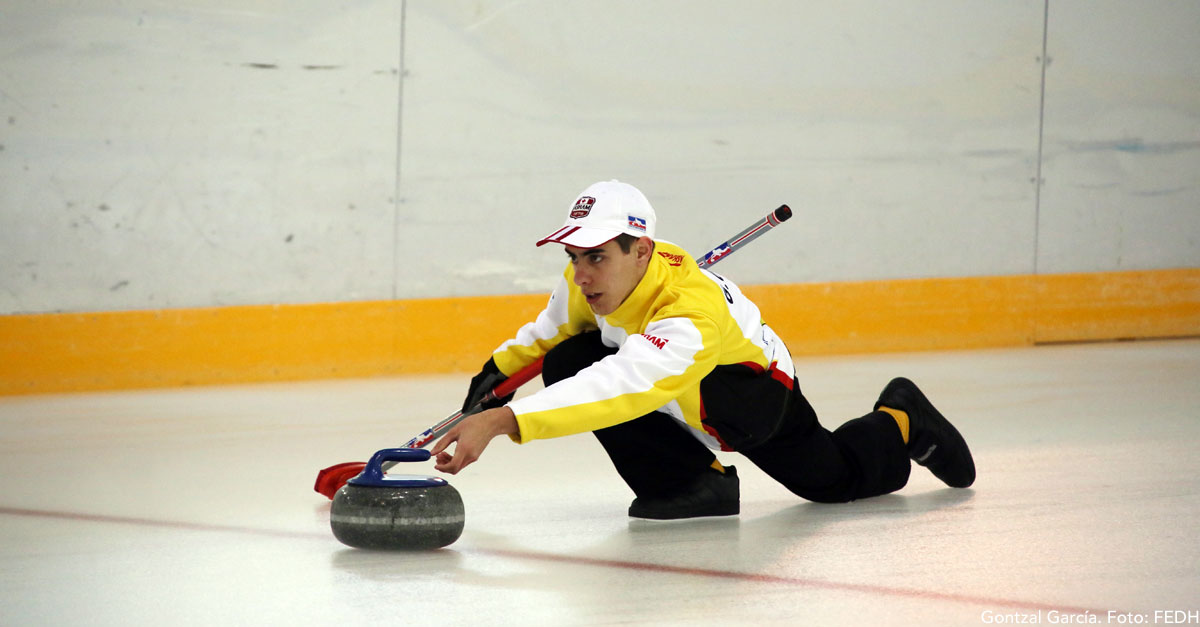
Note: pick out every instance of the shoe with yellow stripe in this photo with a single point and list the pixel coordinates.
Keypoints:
(932, 441)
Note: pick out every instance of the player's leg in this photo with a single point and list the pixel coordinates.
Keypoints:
(867, 456)
(864, 457)
(672, 473)
(653, 454)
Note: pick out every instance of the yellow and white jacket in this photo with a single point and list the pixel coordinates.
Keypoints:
(674, 329)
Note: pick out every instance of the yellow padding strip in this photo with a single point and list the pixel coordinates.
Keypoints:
(134, 349)
(45, 353)
(980, 312)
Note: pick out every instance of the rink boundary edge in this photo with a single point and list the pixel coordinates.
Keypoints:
(65, 352)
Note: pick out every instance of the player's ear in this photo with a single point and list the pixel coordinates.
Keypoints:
(644, 247)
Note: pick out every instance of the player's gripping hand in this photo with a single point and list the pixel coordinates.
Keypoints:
(485, 382)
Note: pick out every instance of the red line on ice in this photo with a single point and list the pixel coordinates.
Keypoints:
(800, 582)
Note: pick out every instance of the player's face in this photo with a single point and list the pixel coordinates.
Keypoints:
(607, 275)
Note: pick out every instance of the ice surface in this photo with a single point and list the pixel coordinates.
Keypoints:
(195, 507)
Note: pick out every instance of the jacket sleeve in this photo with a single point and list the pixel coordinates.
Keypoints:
(561, 319)
(649, 371)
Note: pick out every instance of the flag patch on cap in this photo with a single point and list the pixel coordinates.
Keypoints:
(637, 223)
(583, 207)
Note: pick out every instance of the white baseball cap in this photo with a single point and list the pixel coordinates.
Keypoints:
(602, 212)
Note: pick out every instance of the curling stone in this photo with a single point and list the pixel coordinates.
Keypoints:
(396, 512)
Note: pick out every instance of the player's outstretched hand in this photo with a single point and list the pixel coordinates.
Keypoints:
(471, 437)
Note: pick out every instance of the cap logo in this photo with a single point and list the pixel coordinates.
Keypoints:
(583, 207)
(637, 223)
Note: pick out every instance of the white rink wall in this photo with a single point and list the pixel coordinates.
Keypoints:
(194, 154)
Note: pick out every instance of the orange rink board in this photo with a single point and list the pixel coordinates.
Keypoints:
(49, 353)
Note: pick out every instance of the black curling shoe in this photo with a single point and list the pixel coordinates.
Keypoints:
(932, 441)
(711, 494)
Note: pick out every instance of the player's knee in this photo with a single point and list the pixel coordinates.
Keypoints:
(838, 493)
(572, 355)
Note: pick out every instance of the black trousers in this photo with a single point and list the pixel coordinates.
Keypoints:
(756, 415)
